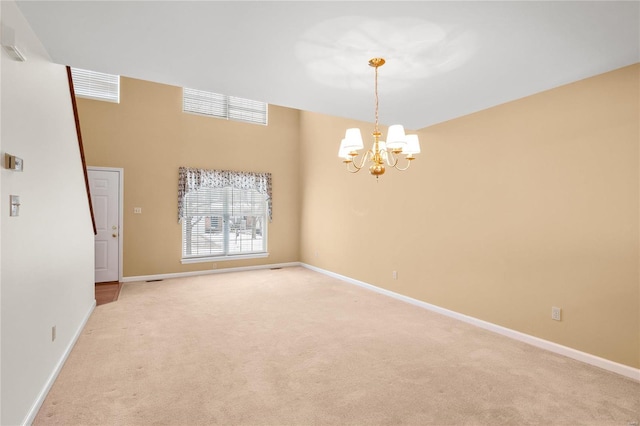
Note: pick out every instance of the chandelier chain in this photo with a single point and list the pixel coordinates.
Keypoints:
(376, 91)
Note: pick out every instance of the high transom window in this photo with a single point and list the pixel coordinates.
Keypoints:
(224, 106)
(96, 85)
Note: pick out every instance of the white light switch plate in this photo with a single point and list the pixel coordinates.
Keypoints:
(14, 201)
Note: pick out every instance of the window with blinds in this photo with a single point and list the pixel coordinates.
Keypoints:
(96, 85)
(224, 106)
(223, 223)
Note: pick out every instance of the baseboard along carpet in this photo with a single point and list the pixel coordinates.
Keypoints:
(296, 347)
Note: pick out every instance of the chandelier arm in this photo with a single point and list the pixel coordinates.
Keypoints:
(402, 169)
(391, 155)
(355, 169)
(365, 157)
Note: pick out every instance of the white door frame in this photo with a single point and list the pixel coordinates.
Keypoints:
(120, 172)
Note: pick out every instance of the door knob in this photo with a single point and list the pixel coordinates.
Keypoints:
(114, 235)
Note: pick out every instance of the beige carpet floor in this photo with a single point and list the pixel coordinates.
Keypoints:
(295, 347)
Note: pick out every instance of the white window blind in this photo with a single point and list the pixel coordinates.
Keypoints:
(224, 106)
(96, 85)
(224, 222)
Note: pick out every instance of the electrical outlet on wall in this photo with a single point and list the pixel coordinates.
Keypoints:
(53, 333)
(556, 314)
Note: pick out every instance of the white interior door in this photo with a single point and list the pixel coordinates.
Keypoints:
(105, 197)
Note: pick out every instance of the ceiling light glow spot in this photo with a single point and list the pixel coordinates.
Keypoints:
(333, 51)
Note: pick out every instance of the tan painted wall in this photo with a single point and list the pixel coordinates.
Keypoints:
(506, 213)
(149, 136)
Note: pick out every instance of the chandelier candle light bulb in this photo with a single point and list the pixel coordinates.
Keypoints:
(397, 143)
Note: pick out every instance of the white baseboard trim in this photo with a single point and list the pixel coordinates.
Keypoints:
(54, 375)
(207, 272)
(624, 370)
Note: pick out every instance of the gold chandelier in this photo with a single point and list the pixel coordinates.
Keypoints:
(382, 152)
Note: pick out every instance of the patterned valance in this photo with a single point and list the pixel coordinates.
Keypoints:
(193, 179)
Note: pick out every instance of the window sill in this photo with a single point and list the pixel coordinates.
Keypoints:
(223, 258)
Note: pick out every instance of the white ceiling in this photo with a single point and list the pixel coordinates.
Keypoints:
(444, 59)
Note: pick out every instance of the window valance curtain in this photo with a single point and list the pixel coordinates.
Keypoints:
(193, 179)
